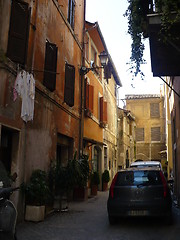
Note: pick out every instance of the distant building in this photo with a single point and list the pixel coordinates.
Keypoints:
(126, 138)
(150, 135)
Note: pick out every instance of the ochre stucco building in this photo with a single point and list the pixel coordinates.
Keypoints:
(150, 133)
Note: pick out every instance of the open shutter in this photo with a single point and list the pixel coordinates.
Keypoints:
(69, 85)
(101, 109)
(91, 97)
(105, 112)
(18, 32)
(87, 95)
(50, 66)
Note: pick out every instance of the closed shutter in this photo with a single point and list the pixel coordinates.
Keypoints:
(50, 66)
(155, 134)
(154, 110)
(139, 134)
(18, 32)
(69, 85)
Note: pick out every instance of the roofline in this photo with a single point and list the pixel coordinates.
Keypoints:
(114, 71)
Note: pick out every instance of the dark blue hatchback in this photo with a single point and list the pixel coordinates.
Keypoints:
(139, 192)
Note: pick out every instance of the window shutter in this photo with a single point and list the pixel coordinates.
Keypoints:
(155, 134)
(50, 66)
(105, 112)
(101, 109)
(139, 134)
(91, 97)
(87, 95)
(18, 32)
(69, 85)
(154, 110)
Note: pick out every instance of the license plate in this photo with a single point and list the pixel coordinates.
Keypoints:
(138, 213)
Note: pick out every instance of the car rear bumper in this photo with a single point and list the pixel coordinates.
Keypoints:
(138, 209)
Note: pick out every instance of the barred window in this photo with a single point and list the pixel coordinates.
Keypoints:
(154, 110)
(155, 134)
(139, 134)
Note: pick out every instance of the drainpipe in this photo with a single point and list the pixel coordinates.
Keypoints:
(81, 128)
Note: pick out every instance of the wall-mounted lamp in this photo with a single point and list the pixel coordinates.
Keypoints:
(104, 60)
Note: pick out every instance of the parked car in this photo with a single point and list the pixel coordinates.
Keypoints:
(146, 164)
(139, 192)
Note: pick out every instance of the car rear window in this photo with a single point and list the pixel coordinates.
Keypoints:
(134, 178)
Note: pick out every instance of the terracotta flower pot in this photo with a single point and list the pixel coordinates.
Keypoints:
(94, 189)
(105, 186)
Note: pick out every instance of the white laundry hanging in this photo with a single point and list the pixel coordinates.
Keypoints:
(25, 87)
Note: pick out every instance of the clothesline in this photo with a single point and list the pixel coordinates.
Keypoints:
(31, 70)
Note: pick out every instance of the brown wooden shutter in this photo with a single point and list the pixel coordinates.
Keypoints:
(69, 85)
(101, 109)
(105, 112)
(18, 32)
(50, 66)
(91, 97)
(87, 96)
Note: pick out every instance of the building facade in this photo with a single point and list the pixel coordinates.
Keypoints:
(150, 135)
(41, 51)
(126, 138)
(100, 104)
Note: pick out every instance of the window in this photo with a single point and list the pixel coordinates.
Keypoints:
(154, 110)
(86, 47)
(18, 32)
(71, 11)
(93, 56)
(155, 134)
(103, 112)
(50, 66)
(105, 158)
(89, 96)
(69, 85)
(139, 134)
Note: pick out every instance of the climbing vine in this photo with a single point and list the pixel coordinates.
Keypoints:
(136, 14)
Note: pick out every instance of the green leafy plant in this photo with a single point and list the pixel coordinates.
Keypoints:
(105, 176)
(76, 173)
(95, 178)
(37, 190)
(136, 14)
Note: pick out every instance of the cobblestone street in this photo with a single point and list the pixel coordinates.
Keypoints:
(88, 220)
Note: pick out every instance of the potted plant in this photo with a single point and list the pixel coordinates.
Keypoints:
(81, 190)
(36, 196)
(95, 180)
(105, 179)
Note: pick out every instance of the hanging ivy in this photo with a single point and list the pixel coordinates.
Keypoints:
(136, 14)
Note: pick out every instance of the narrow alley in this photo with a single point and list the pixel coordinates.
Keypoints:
(88, 220)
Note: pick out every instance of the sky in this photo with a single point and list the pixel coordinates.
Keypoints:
(114, 27)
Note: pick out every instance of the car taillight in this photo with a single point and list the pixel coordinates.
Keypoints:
(112, 185)
(164, 184)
